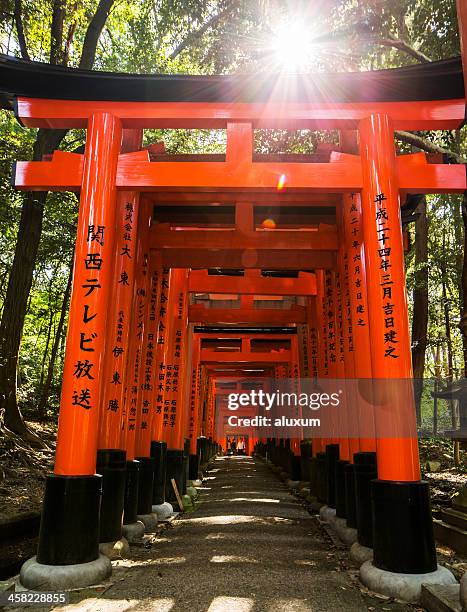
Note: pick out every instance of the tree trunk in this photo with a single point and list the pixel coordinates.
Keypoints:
(42, 407)
(47, 344)
(463, 296)
(420, 304)
(14, 311)
(19, 286)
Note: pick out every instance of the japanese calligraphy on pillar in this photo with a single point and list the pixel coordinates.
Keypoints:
(356, 263)
(383, 230)
(113, 383)
(339, 324)
(304, 350)
(84, 368)
(173, 424)
(92, 276)
(195, 394)
(330, 320)
(347, 316)
(147, 386)
(325, 339)
(161, 345)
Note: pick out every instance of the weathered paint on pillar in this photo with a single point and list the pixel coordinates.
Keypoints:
(92, 278)
(389, 326)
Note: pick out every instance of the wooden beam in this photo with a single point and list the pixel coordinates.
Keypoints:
(244, 357)
(252, 284)
(325, 239)
(64, 173)
(420, 115)
(197, 313)
(214, 198)
(240, 336)
(228, 258)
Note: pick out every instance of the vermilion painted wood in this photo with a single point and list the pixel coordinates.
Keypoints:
(274, 240)
(119, 314)
(193, 412)
(118, 326)
(148, 385)
(138, 327)
(64, 173)
(250, 258)
(173, 431)
(251, 358)
(233, 334)
(428, 115)
(358, 295)
(252, 283)
(398, 457)
(80, 396)
(259, 198)
(265, 316)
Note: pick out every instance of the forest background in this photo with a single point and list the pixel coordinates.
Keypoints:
(208, 37)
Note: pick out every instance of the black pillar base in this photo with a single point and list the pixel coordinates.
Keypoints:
(210, 449)
(186, 465)
(111, 465)
(193, 469)
(201, 447)
(130, 506)
(306, 452)
(350, 500)
(340, 488)
(69, 531)
(321, 483)
(314, 476)
(159, 453)
(145, 485)
(295, 471)
(365, 471)
(332, 455)
(403, 539)
(174, 470)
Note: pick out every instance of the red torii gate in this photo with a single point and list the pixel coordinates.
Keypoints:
(369, 185)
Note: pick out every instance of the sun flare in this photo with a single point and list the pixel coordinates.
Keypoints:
(291, 46)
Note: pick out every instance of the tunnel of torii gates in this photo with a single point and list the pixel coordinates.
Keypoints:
(182, 293)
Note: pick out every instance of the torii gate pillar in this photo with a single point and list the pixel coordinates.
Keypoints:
(69, 532)
(403, 531)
